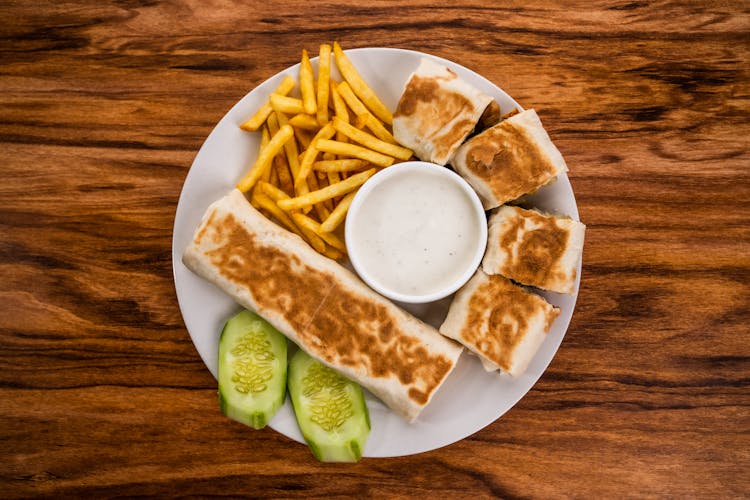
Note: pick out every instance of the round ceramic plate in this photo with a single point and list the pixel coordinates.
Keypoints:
(470, 398)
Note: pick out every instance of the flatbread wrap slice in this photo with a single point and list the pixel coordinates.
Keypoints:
(513, 158)
(436, 112)
(321, 306)
(499, 321)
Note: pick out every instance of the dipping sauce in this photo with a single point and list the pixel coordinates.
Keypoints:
(418, 230)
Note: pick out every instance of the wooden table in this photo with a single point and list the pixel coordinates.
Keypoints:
(103, 106)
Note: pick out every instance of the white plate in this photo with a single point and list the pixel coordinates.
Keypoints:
(471, 398)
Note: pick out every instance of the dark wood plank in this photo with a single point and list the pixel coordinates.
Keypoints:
(102, 109)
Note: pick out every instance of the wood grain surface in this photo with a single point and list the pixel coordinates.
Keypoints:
(103, 106)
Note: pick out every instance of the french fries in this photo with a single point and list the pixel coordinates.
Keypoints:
(371, 141)
(328, 192)
(306, 84)
(351, 100)
(260, 117)
(304, 121)
(265, 156)
(344, 165)
(324, 71)
(339, 213)
(312, 151)
(284, 104)
(302, 178)
(345, 148)
(376, 127)
(359, 86)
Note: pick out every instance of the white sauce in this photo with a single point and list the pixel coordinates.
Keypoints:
(416, 233)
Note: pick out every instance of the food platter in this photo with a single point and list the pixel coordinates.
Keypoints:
(471, 398)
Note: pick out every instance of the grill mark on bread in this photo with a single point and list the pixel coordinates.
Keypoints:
(539, 250)
(507, 159)
(497, 318)
(325, 314)
(530, 248)
(199, 236)
(418, 90)
(455, 135)
(539, 254)
(421, 89)
(434, 108)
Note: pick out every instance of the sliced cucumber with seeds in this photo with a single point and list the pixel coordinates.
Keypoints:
(252, 370)
(330, 409)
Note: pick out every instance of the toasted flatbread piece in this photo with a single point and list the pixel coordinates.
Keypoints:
(436, 112)
(321, 306)
(534, 249)
(508, 160)
(499, 321)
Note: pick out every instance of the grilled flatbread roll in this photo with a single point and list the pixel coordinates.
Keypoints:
(534, 249)
(499, 321)
(436, 112)
(508, 160)
(321, 306)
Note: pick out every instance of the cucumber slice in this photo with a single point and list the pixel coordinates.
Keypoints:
(252, 370)
(330, 409)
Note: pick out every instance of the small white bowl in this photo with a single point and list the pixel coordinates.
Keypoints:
(416, 232)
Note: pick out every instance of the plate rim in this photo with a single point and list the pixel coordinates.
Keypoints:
(182, 203)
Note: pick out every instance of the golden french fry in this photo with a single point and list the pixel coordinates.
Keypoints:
(360, 110)
(320, 208)
(332, 240)
(273, 123)
(273, 174)
(352, 150)
(284, 104)
(270, 206)
(306, 222)
(303, 138)
(257, 206)
(317, 243)
(333, 178)
(351, 100)
(375, 126)
(370, 141)
(339, 109)
(311, 152)
(267, 198)
(292, 158)
(280, 168)
(265, 156)
(304, 121)
(339, 106)
(272, 191)
(324, 71)
(332, 253)
(260, 116)
(359, 86)
(343, 165)
(265, 138)
(307, 84)
(329, 192)
(339, 214)
(283, 177)
(323, 181)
